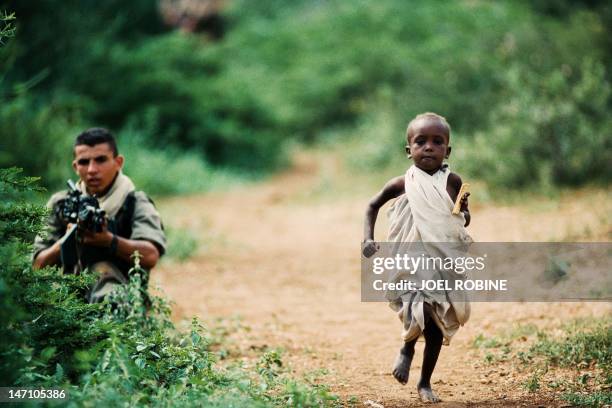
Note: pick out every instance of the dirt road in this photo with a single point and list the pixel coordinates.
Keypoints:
(285, 259)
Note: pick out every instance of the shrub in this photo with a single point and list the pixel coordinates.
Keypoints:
(120, 352)
(549, 131)
(522, 77)
(37, 137)
(171, 171)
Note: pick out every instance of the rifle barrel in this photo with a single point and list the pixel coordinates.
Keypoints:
(71, 185)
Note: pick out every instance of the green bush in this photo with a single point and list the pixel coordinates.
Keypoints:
(19, 223)
(37, 137)
(182, 244)
(171, 171)
(7, 29)
(328, 66)
(120, 352)
(518, 81)
(170, 89)
(550, 131)
(41, 140)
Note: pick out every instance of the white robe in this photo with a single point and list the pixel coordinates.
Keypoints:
(423, 215)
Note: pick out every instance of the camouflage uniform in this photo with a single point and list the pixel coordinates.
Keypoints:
(137, 219)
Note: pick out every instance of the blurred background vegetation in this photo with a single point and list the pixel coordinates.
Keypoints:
(224, 90)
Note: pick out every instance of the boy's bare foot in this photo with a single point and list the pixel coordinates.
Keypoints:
(427, 394)
(401, 368)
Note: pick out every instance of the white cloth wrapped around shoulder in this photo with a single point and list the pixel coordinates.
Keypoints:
(421, 220)
(114, 198)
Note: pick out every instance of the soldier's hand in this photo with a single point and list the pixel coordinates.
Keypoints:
(370, 247)
(69, 228)
(99, 239)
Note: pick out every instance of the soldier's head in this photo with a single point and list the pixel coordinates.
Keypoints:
(96, 159)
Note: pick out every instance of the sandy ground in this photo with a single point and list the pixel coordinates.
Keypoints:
(285, 259)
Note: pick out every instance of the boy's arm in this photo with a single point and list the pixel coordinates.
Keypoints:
(455, 183)
(465, 210)
(394, 188)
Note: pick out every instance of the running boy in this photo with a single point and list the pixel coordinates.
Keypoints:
(422, 213)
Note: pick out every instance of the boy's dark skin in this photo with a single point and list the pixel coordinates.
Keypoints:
(428, 145)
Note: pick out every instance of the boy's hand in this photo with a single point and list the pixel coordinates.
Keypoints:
(464, 209)
(370, 247)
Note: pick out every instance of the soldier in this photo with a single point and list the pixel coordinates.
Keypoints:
(133, 223)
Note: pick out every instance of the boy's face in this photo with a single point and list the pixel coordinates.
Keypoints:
(428, 141)
(97, 166)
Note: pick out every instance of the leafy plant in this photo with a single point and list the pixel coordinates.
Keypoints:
(125, 351)
(7, 29)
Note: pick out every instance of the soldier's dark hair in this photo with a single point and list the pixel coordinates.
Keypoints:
(96, 136)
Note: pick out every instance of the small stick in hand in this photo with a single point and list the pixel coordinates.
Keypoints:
(465, 188)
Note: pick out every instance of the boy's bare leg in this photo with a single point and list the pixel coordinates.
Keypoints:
(433, 344)
(401, 368)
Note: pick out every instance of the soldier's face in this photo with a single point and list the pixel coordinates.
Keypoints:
(96, 166)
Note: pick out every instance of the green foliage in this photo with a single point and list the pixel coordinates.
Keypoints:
(580, 348)
(171, 90)
(42, 138)
(596, 399)
(170, 171)
(125, 351)
(533, 382)
(551, 130)
(19, 222)
(497, 349)
(481, 341)
(300, 395)
(344, 55)
(583, 346)
(528, 96)
(182, 244)
(7, 29)
(38, 138)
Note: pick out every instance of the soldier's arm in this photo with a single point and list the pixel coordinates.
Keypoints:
(47, 244)
(147, 231)
(48, 256)
(147, 237)
(149, 255)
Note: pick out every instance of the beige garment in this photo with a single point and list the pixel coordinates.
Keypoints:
(110, 277)
(112, 201)
(146, 222)
(421, 220)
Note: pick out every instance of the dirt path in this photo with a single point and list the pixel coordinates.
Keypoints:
(288, 265)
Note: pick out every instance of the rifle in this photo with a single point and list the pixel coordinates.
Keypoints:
(85, 214)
